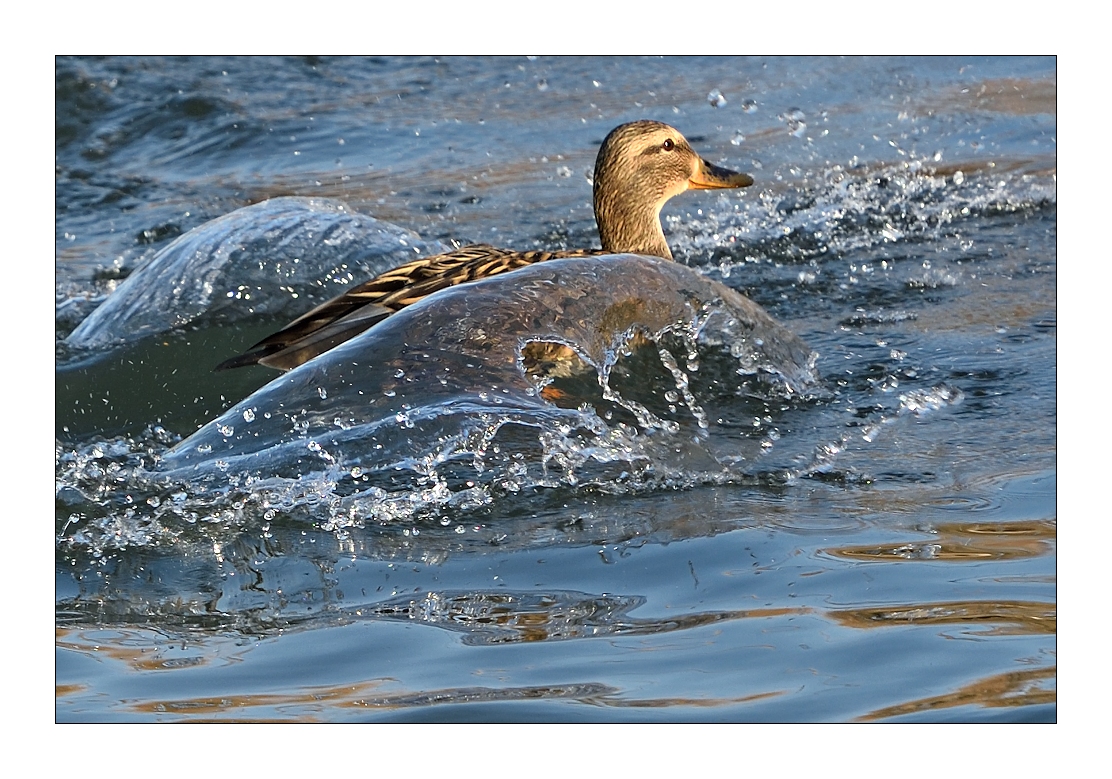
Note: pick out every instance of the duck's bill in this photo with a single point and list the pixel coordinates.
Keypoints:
(710, 176)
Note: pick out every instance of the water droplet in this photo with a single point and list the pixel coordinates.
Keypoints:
(249, 415)
(959, 177)
(749, 106)
(738, 138)
(796, 121)
(226, 430)
(321, 391)
(716, 98)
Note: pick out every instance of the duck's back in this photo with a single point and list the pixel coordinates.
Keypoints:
(360, 307)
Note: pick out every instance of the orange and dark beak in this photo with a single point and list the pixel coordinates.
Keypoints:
(710, 176)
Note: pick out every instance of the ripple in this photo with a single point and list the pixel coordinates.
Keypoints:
(502, 616)
(1010, 618)
(1014, 689)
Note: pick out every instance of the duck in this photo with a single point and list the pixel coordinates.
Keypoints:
(640, 166)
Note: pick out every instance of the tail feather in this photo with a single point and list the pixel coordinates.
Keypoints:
(289, 348)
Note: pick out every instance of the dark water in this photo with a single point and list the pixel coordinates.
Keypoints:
(713, 528)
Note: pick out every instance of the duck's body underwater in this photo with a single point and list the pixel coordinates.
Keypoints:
(640, 166)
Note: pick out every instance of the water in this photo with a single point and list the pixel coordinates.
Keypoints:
(705, 522)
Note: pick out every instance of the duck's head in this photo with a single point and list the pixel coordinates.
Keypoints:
(640, 166)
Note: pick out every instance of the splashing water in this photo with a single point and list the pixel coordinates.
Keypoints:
(442, 406)
(851, 210)
(276, 258)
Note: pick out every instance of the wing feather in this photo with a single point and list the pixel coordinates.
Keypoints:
(360, 307)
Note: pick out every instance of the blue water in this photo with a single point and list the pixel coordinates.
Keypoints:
(871, 536)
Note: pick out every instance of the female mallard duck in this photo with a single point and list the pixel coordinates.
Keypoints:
(640, 166)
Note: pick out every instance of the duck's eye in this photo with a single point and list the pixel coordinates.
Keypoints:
(668, 145)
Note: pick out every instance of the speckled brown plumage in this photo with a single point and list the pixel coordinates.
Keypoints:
(640, 166)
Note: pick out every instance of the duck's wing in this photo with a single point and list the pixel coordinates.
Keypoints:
(337, 320)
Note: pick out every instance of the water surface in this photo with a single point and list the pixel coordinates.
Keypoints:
(715, 527)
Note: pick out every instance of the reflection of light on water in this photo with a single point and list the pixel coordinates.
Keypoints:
(990, 617)
(1028, 687)
(963, 542)
(497, 617)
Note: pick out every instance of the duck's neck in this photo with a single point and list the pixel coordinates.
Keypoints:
(628, 225)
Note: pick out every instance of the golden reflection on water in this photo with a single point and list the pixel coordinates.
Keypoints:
(315, 698)
(965, 542)
(543, 619)
(511, 617)
(1030, 687)
(1001, 618)
(494, 617)
(62, 690)
(590, 693)
(491, 615)
(368, 695)
(141, 650)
